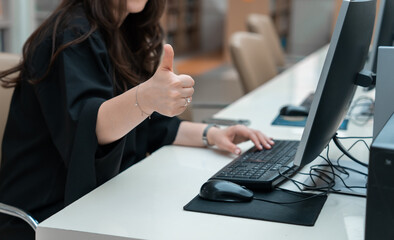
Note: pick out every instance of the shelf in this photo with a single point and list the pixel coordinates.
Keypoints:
(181, 22)
(5, 25)
(280, 12)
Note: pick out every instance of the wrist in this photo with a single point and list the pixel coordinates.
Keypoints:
(207, 136)
(143, 100)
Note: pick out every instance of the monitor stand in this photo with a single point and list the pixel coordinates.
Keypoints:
(353, 179)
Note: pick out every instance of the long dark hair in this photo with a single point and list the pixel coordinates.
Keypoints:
(134, 48)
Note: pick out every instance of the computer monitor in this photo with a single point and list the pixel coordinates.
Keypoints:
(345, 58)
(384, 32)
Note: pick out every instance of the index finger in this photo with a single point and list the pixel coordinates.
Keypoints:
(186, 81)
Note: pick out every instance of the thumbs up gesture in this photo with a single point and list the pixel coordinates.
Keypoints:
(167, 62)
(165, 92)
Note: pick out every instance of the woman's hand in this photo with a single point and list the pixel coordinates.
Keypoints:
(166, 93)
(227, 138)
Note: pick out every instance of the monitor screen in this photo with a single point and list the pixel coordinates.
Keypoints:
(384, 32)
(345, 58)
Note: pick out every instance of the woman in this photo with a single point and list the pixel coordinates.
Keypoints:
(91, 100)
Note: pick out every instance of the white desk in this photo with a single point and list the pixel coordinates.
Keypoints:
(146, 201)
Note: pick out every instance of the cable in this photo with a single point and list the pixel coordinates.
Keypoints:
(291, 202)
(343, 169)
(354, 144)
(330, 183)
(343, 150)
(337, 166)
(354, 137)
(328, 176)
(362, 118)
(319, 171)
(356, 103)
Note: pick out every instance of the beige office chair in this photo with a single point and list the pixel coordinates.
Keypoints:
(252, 59)
(8, 60)
(262, 24)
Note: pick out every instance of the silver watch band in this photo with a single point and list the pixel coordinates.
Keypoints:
(205, 132)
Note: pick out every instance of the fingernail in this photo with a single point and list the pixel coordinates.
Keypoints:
(237, 151)
(271, 142)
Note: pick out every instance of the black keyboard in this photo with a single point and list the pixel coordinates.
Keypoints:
(261, 169)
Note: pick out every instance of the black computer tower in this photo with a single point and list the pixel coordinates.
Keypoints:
(380, 192)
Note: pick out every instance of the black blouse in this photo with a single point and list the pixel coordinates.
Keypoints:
(50, 154)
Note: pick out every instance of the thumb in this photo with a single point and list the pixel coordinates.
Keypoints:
(168, 58)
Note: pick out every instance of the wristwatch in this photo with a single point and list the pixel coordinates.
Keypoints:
(205, 132)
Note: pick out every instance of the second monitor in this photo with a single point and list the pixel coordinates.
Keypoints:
(384, 32)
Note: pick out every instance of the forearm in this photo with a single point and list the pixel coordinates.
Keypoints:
(118, 116)
(190, 134)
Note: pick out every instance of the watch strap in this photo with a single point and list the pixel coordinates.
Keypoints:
(205, 133)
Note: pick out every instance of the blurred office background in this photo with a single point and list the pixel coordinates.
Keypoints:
(199, 31)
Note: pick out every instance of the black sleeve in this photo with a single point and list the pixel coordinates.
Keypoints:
(78, 83)
(162, 131)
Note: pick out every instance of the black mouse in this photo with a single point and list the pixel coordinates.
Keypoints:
(294, 111)
(225, 191)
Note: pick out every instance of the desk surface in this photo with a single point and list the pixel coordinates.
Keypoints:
(146, 201)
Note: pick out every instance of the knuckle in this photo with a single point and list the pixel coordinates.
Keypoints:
(175, 82)
(239, 127)
(174, 94)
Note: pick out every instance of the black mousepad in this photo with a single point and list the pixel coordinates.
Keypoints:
(302, 213)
